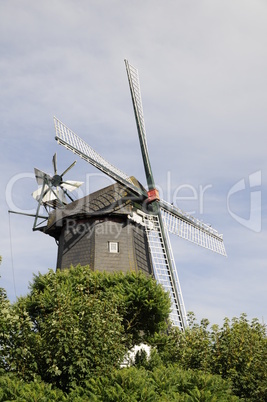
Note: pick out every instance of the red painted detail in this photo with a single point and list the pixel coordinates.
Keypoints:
(153, 195)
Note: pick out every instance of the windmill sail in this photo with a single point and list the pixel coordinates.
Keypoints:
(165, 274)
(191, 229)
(41, 176)
(47, 194)
(134, 84)
(74, 143)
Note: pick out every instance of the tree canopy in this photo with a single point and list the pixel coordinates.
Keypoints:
(67, 338)
(75, 323)
(237, 351)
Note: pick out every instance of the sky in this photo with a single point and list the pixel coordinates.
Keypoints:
(203, 73)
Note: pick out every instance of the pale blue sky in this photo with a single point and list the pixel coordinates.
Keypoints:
(202, 68)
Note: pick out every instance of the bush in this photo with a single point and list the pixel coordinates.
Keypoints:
(77, 323)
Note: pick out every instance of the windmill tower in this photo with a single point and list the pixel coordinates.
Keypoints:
(125, 226)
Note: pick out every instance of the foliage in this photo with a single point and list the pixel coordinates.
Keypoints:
(13, 330)
(237, 351)
(66, 339)
(240, 353)
(77, 323)
(14, 389)
(162, 384)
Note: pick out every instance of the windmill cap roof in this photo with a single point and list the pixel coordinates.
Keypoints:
(114, 199)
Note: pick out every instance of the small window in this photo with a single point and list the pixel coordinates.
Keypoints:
(113, 247)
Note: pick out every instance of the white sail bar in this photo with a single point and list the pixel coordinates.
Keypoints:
(169, 280)
(134, 84)
(71, 141)
(133, 78)
(191, 229)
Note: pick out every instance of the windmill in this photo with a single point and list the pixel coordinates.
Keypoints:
(155, 216)
(53, 190)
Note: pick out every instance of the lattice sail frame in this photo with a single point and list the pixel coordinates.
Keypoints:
(191, 229)
(134, 84)
(66, 137)
(164, 274)
(135, 87)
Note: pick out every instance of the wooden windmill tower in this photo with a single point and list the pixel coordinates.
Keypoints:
(124, 226)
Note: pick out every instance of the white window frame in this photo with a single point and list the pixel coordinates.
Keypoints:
(113, 246)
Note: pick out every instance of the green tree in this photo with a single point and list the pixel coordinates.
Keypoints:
(77, 323)
(71, 333)
(13, 389)
(190, 348)
(237, 351)
(13, 329)
(161, 384)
